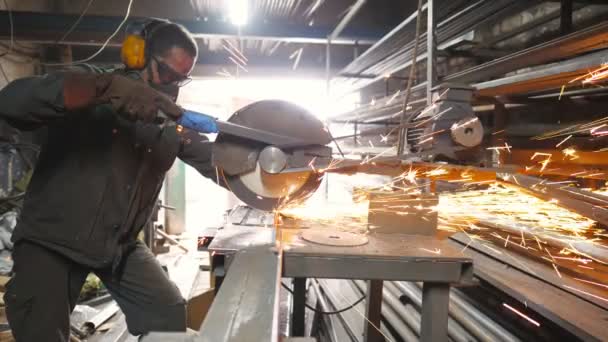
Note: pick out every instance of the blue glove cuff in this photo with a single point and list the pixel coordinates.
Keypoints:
(199, 122)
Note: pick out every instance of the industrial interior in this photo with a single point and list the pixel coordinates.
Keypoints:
(428, 170)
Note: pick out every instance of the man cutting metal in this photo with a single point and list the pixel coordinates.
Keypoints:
(97, 179)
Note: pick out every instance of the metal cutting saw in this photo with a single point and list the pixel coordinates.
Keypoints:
(268, 153)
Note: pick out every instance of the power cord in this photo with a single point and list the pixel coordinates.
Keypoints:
(10, 20)
(84, 11)
(325, 312)
(126, 17)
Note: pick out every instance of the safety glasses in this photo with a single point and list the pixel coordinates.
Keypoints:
(169, 76)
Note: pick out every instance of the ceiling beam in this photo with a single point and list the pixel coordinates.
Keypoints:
(39, 26)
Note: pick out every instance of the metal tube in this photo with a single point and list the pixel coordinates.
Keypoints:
(431, 49)
(400, 311)
(346, 19)
(325, 307)
(397, 323)
(415, 294)
(478, 317)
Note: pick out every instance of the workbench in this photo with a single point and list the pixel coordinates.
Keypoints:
(399, 257)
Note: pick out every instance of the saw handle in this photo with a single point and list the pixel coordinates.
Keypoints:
(195, 121)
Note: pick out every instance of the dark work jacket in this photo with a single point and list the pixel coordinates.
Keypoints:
(98, 175)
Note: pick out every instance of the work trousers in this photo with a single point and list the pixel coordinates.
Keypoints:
(45, 286)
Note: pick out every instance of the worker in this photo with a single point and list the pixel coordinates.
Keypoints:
(97, 179)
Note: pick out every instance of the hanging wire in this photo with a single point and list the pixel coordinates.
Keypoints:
(128, 12)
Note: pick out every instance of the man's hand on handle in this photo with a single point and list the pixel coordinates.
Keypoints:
(132, 98)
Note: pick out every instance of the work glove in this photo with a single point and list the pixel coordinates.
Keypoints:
(131, 98)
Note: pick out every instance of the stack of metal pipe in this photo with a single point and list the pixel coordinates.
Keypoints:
(401, 313)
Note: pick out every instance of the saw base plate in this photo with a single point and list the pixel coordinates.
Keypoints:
(334, 238)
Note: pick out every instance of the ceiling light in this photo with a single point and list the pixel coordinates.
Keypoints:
(237, 10)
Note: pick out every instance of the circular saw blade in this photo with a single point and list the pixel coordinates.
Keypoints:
(256, 187)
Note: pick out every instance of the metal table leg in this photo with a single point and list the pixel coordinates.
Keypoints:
(435, 306)
(299, 307)
(373, 311)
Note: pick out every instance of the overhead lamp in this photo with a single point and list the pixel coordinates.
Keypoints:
(238, 11)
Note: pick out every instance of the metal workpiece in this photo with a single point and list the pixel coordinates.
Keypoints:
(421, 215)
(543, 77)
(393, 53)
(232, 239)
(585, 40)
(384, 257)
(540, 291)
(246, 306)
(589, 206)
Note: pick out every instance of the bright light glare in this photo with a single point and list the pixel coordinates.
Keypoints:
(237, 10)
(228, 95)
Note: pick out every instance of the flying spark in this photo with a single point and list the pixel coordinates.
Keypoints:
(521, 314)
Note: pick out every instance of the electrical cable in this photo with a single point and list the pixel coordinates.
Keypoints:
(410, 81)
(67, 33)
(128, 12)
(326, 312)
(6, 79)
(10, 20)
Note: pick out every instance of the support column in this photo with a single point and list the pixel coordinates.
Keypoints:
(565, 23)
(298, 307)
(435, 307)
(373, 312)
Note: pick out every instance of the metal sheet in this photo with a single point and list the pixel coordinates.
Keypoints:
(386, 257)
(246, 307)
(232, 239)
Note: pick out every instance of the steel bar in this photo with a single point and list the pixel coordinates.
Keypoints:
(463, 21)
(585, 40)
(574, 201)
(435, 306)
(583, 319)
(543, 78)
(105, 314)
(239, 314)
(397, 323)
(354, 9)
(536, 268)
(431, 51)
